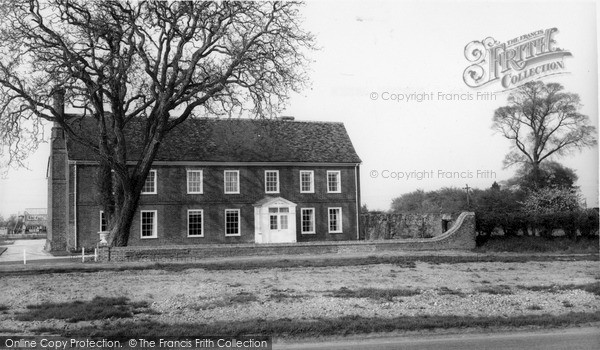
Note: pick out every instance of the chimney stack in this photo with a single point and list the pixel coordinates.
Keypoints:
(58, 100)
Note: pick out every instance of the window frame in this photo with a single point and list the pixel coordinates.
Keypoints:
(190, 211)
(339, 220)
(314, 231)
(190, 171)
(276, 172)
(312, 181)
(154, 224)
(103, 219)
(239, 223)
(237, 172)
(338, 182)
(154, 182)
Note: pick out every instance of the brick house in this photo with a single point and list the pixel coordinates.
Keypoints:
(219, 181)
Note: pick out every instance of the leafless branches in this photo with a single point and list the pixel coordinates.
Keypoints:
(151, 61)
(542, 120)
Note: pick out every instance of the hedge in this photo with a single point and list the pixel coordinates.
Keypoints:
(585, 222)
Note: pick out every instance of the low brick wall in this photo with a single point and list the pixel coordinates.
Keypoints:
(460, 237)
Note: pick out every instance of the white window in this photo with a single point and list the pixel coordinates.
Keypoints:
(334, 182)
(232, 181)
(150, 184)
(195, 223)
(103, 223)
(307, 181)
(272, 181)
(278, 218)
(148, 223)
(335, 220)
(308, 220)
(232, 222)
(194, 181)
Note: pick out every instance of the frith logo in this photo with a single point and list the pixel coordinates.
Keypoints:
(528, 57)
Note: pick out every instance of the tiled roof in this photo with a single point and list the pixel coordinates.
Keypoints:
(240, 140)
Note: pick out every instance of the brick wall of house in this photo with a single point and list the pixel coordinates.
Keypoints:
(460, 237)
(171, 203)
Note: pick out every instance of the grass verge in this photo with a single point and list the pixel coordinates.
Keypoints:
(400, 261)
(496, 290)
(373, 293)
(125, 329)
(593, 288)
(98, 308)
(240, 298)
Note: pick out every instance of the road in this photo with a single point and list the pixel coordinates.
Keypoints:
(555, 339)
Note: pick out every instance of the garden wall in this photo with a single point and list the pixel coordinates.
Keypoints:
(460, 237)
(378, 226)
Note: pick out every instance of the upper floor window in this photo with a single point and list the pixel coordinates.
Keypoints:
(307, 181)
(272, 181)
(232, 181)
(334, 184)
(148, 223)
(194, 181)
(195, 223)
(150, 183)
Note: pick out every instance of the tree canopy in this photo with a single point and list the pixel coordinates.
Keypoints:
(550, 174)
(541, 121)
(153, 63)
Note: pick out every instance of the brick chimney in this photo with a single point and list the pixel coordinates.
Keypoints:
(58, 186)
(58, 103)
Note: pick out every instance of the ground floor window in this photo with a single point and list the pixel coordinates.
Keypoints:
(335, 220)
(103, 224)
(148, 223)
(308, 220)
(232, 222)
(195, 223)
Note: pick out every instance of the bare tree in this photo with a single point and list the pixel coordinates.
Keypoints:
(542, 120)
(148, 65)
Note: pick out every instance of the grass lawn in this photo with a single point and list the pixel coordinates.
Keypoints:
(126, 329)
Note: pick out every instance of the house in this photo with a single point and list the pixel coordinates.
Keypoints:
(35, 220)
(218, 181)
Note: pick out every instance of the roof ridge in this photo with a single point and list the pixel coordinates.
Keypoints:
(277, 119)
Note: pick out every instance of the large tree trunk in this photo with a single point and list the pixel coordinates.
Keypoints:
(128, 188)
(535, 172)
(121, 225)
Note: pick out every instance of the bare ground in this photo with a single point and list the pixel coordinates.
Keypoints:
(202, 296)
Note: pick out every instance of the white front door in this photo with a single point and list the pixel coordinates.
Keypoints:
(279, 228)
(276, 222)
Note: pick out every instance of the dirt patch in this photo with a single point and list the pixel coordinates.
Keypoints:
(202, 296)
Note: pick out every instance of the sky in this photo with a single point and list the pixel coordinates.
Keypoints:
(392, 72)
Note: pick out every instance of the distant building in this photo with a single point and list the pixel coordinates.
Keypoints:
(218, 181)
(35, 220)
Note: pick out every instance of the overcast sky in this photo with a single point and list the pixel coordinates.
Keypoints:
(372, 50)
